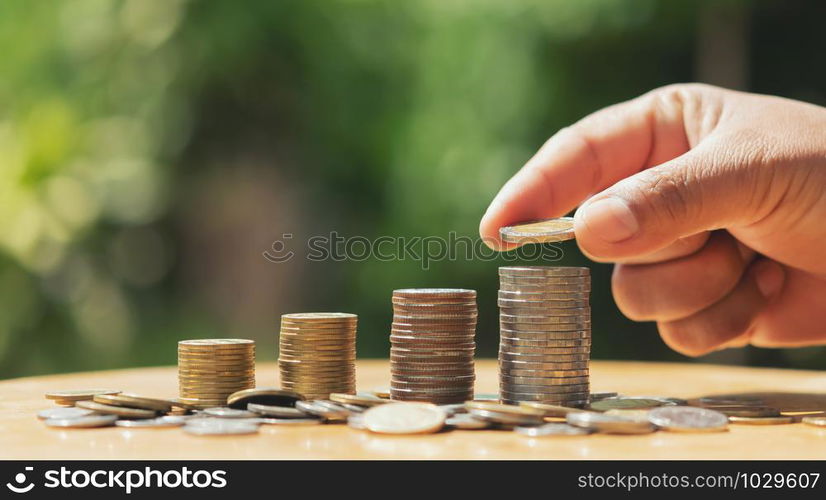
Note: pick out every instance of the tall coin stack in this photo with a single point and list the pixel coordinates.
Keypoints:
(545, 334)
(209, 370)
(317, 353)
(432, 345)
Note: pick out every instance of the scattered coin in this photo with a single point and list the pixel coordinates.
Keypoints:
(151, 422)
(553, 430)
(404, 418)
(263, 395)
(78, 395)
(134, 401)
(453, 409)
(688, 419)
(548, 409)
(356, 421)
(219, 427)
(504, 408)
(625, 403)
(467, 422)
(290, 421)
(326, 410)
(746, 411)
(609, 424)
(817, 421)
(63, 413)
(119, 411)
(221, 412)
(761, 420)
(358, 399)
(82, 422)
(542, 231)
(276, 411)
(503, 418)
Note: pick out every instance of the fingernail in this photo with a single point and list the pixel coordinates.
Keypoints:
(769, 277)
(610, 219)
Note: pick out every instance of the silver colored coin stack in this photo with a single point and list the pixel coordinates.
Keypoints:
(545, 335)
(432, 345)
(317, 353)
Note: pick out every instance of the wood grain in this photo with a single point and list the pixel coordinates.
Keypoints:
(22, 436)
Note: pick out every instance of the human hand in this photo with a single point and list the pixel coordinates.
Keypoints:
(711, 202)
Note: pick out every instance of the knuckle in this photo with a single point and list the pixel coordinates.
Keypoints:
(667, 196)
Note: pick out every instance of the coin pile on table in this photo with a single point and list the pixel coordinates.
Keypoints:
(432, 345)
(317, 353)
(545, 334)
(209, 370)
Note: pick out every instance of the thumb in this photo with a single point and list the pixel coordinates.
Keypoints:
(701, 190)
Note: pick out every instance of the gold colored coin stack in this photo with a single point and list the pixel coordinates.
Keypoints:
(545, 334)
(432, 345)
(317, 353)
(209, 370)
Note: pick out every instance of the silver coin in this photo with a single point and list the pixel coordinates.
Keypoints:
(290, 421)
(321, 410)
(64, 413)
(467, 422)
(625, 403)
(482, 396)
(609, 424)
(505, 418)
(453, 409)
(553, 430)
(82, 422)
(276, 411)
(356, 421)
(666, 400)
(688, 419)
(220, 427)
(151, 422)
(229, 413)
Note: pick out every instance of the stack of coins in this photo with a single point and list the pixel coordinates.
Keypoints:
(209, 370)
(545, 334)
(432, 345)
(317, 353)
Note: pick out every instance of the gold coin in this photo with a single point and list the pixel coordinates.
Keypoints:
(502, 408)
(134, 401)
(78, 395)
(548, 409)
(116, 410)
(761, 420)
(357, 399)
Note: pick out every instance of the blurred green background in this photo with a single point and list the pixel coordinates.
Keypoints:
(152, 150)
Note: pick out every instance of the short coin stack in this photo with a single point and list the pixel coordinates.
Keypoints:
(209, 370)
(432, 345)
(545, 334)
(317, 353)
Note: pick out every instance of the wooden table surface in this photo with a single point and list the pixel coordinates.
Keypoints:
(23, 436)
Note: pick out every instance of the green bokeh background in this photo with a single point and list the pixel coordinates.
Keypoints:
(152, 150)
